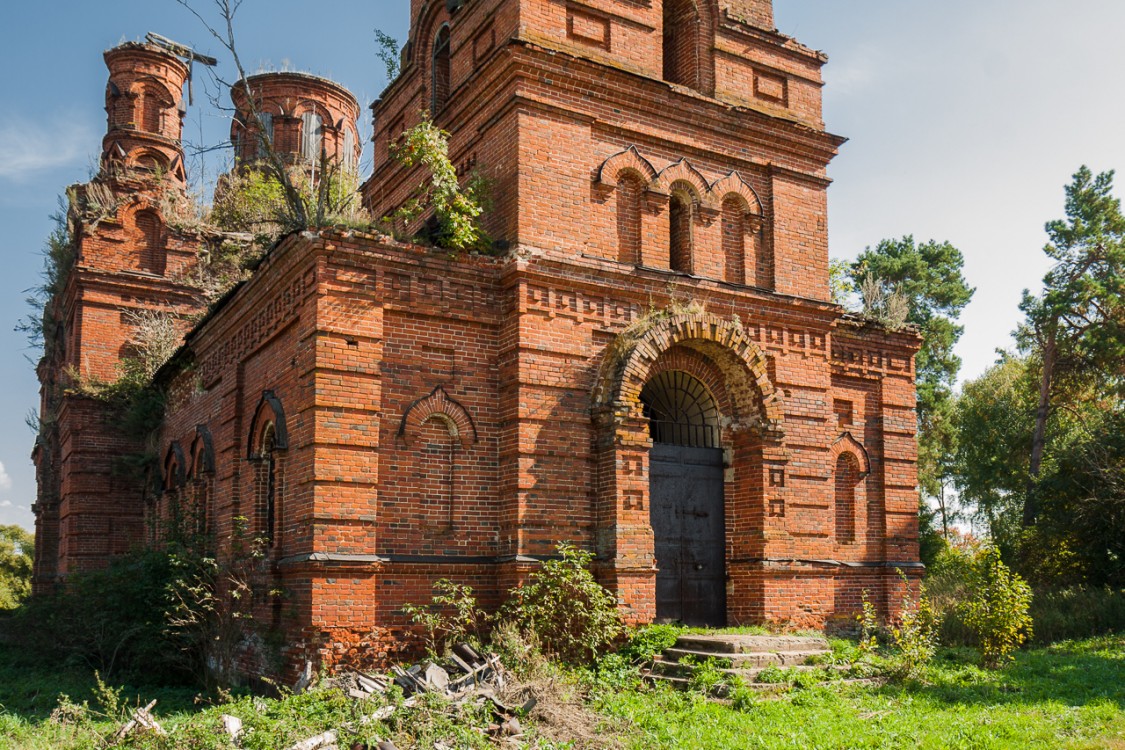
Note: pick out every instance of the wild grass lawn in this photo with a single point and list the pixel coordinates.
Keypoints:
(1064, 696)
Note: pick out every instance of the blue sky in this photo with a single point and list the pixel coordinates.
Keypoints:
(966, 118)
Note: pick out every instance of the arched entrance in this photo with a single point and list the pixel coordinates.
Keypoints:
(686, 499)
(742, 416)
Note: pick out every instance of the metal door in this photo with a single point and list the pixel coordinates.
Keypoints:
(686, 507)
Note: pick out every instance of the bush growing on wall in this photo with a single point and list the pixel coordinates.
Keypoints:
(569, 613)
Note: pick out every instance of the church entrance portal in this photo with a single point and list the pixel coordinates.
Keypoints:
(686, 500)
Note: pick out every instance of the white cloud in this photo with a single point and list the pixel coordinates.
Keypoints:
(5, 503)
(5, 479)
(27, 147)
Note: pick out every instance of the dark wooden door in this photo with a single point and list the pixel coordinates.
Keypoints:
(686, 506)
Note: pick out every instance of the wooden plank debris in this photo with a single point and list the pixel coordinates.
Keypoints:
(141, 720)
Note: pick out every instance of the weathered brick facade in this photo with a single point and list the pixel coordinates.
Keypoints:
(388, 414)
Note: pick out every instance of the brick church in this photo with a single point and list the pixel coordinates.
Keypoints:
(648, 364)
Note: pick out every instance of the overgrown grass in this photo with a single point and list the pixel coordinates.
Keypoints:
(1070, 695)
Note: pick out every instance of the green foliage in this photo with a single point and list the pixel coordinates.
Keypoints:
(868, 627)
(998, 608)
(58, 260)
(209, 603)
(111, 620)
(644, 643)
(386, 49)
(932, 533)
(840, 285)
(1083, 299)
(456, 209)
(947, 588)
(1080, 536)
(250, 200)
(707, 674)
(1075, 329)
(172, 611)
(451, 616)
(569, 614)
(994, 421)
(928, 277)
(255, 200)
(17, 554)
(914, 637)
(1077, 612)
(1068, 697)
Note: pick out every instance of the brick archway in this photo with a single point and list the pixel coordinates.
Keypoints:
(737, 371)
(629, 363)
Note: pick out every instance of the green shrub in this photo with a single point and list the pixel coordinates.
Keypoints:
(646, 642)
(1077, 612)
(868, 627)
(707, 674)
(914, 637)
(947, 588)
(110, 620)
(456, 208)
(452, 615)
(998, 609)
(566, 611)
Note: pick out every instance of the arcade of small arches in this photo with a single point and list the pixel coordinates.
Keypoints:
(745, 253)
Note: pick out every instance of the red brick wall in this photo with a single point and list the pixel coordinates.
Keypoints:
(458, 416)
(286, 98)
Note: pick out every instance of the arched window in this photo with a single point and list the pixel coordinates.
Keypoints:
(149, 162)
(436, 446)
(680, 410)
(762, 255)
(348, 160)
(440, 72)
(847, 478)
(264, 134)
(267, 481)
(680, 231)
(202, 472)
(734, 240)
(152, 109)
(267, 441)
(630, 192)
(312, 129)
(149, 240)
(682, 35)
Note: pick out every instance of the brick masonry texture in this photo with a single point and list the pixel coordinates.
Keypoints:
(388, 414)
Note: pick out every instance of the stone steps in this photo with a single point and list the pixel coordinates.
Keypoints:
(743, 656)
(750, 644)
(662, 668)
(745, 660)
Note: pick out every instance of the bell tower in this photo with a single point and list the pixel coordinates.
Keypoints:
(131, 263)
(145, 108)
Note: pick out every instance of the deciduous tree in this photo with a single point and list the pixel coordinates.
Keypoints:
(16, 557)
